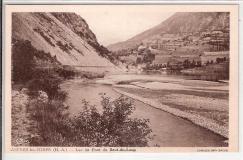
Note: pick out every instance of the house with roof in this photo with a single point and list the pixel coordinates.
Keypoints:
(211, 57)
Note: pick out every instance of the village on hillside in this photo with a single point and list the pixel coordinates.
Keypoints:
(177, 52)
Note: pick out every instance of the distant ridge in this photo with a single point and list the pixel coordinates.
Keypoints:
(178, 23)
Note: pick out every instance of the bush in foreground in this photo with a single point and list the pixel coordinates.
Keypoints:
(112, 126)
(43, 80)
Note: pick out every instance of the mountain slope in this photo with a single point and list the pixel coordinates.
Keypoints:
(179, 23)
(66, 36)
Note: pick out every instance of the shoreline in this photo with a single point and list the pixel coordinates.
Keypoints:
(195, 119)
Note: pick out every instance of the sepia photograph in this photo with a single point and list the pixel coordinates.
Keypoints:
(122, 76)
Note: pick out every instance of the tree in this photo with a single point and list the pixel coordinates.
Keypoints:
(218, 60)
(111, 127)
(22, 60)
(199, 64)
(193, 63)
(186, 63)
(207, 63)
(148, 57)
(138, 60)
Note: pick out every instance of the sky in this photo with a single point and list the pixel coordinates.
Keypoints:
(116, 24)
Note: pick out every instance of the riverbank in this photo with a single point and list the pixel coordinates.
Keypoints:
(205, 103)
(213, 116)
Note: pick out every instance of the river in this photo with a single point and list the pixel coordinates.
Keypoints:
(169, 130)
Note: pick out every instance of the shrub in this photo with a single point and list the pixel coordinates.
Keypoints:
(65, 73)
(51, 121)
(22, 61)
(110, 127)
(48, 82)
(91, 75)
(64, 47)
(48, 40)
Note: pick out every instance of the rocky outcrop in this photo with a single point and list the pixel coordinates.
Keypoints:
(77, 24)
(65, 36)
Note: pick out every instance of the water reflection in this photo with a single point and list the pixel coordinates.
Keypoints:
(174, 73)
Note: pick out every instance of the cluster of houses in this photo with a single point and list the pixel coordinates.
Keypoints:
(183, 50)
(219, 39)
(146, 56)
(191, 61)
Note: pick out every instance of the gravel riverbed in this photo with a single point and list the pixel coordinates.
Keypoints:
(197, 119)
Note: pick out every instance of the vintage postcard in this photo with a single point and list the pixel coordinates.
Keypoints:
(121, 78)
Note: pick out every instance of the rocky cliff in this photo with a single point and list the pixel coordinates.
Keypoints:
(65, 36)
